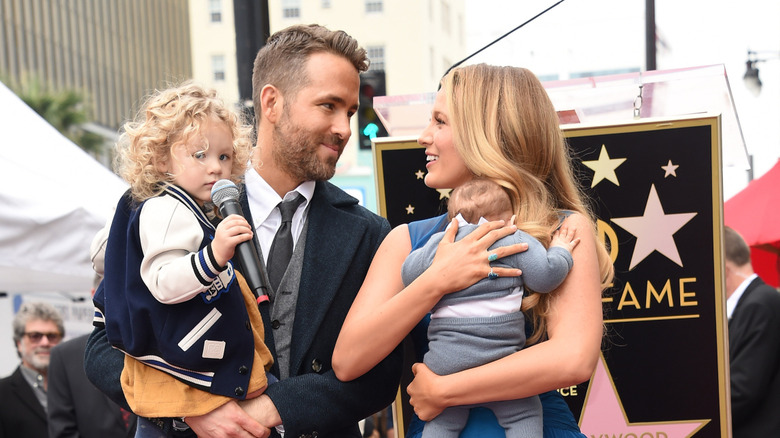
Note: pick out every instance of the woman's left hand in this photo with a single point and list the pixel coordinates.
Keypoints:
(457, 265)
(422, 393)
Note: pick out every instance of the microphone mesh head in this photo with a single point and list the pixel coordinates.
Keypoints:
(223, 190)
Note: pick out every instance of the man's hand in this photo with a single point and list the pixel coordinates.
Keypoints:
(262, 409)
(227, 421)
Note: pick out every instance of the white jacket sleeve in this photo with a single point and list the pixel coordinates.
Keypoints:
(170, 237)
(97, 249)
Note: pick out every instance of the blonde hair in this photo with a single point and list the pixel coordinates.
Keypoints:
(170, 118)
(478, 198)
(506, 129)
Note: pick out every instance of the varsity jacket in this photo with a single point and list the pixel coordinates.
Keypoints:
(203, 336)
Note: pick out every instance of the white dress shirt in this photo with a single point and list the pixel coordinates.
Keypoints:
(266, 217)
(731, 302)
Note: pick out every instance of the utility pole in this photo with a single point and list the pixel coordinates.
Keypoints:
(252, 30)
(650, 35)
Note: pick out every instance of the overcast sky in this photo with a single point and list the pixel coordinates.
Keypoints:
(608, 35)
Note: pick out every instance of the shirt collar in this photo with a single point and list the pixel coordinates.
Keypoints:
(731, 302)
(462, 221)
(263, 199)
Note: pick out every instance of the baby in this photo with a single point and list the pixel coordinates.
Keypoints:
(483, 322)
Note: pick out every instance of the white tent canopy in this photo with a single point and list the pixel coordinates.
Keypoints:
(54, 197)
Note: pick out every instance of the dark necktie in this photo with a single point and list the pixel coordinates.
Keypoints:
(282, 246)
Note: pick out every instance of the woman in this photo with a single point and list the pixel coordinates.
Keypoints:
(497, 123)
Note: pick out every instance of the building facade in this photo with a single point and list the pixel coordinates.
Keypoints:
(114, 52)
(117, 51)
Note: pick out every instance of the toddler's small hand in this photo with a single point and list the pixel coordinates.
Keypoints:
(231, 231)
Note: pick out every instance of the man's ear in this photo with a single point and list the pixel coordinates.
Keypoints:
(272, 103)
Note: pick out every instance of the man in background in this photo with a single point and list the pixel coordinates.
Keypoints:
(37, 328)
(76, 407)
(753, 308)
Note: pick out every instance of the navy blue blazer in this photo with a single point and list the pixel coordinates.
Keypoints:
(22, 415)
(341, 241)
(754, 357)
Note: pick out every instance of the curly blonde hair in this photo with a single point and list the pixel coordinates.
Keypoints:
(170, 118)
(506, 129)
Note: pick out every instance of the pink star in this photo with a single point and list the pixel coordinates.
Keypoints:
(603, 414)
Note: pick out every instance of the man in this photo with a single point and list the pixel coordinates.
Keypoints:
(37, 328)
(753, 308)
(76, 407)
(305, 91)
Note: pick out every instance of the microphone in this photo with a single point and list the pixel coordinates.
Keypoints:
(224, 194)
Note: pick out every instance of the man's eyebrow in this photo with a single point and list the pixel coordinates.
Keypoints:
(338, 99)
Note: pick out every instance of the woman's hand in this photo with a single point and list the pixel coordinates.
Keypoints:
(460, 264)
(423, 393)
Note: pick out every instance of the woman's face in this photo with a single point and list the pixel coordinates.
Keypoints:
(446, 168)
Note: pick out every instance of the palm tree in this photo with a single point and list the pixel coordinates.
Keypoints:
(65, 110)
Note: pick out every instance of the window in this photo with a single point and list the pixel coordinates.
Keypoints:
(218, 67)
(291, 8)
(445, 17)
(373, 6)
(431, 59)
(377, 56)
(215, 11)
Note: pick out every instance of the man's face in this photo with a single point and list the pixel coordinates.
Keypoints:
(34, 348)
(315, 124)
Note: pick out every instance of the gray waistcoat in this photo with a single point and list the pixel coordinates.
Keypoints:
(284, 303)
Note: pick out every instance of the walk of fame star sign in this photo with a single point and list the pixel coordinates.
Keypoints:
(655, 187)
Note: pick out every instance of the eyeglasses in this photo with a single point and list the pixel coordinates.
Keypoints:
(37, 336)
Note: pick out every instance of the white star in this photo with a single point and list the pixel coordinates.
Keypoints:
(604, 167)
(670, 169)
(654, 230)
(420, 174)
(444, 193)
(409, 209)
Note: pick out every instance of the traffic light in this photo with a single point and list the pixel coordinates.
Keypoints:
(372, 83)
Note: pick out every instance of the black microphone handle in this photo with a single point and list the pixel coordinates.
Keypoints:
(247, 254)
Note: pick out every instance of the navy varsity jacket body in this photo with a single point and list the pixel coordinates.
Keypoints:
(205, 341)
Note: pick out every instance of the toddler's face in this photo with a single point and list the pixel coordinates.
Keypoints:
(203, 160)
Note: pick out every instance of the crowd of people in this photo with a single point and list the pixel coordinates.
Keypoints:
(184, 346)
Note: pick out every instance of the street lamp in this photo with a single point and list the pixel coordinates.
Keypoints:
(752, 81)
